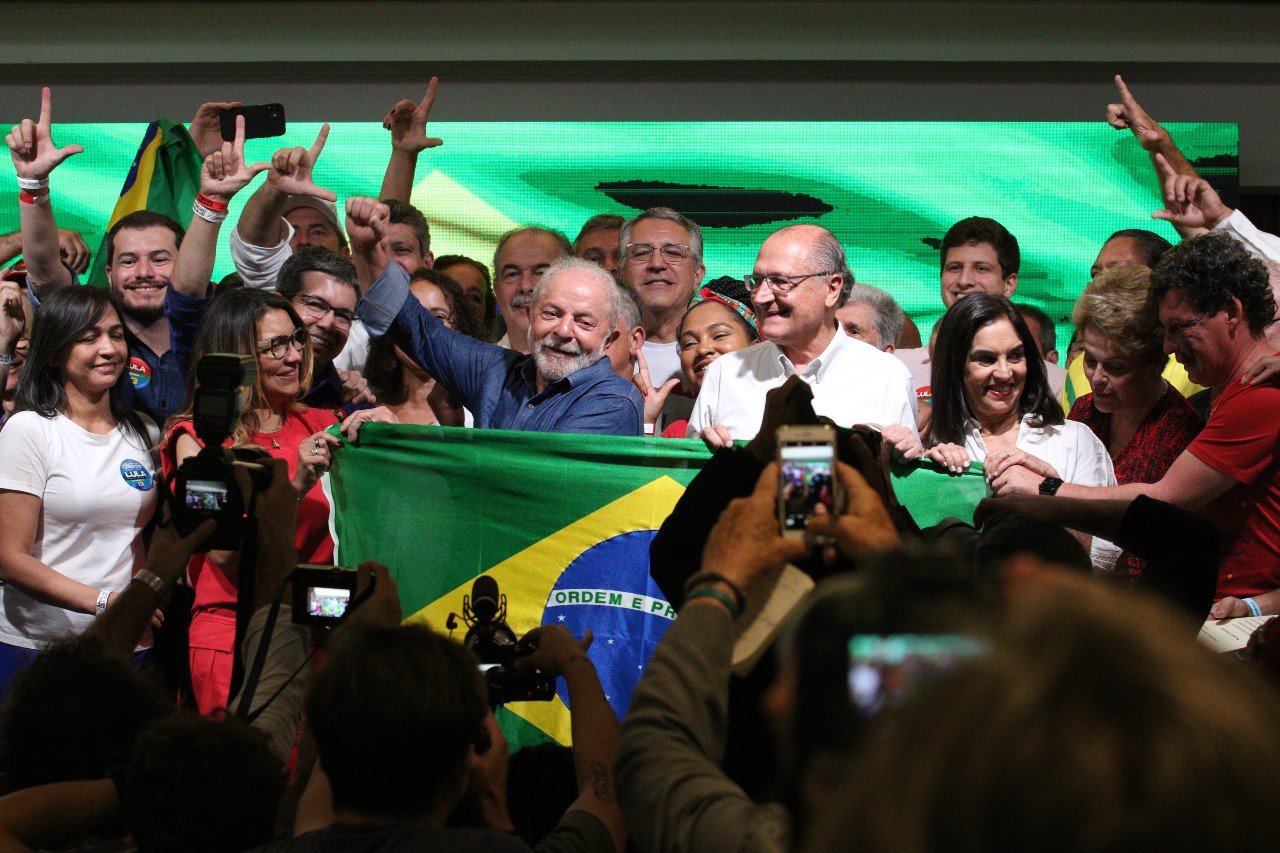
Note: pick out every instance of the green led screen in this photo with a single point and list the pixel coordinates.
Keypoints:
(888, 190)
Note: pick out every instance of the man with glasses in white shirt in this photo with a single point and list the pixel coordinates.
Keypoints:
(800, 279)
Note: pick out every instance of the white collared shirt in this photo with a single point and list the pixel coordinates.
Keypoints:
(852, 382)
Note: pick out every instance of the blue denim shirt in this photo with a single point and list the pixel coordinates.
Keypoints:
(497, 384)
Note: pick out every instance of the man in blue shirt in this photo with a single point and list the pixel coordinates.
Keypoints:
(566, 385)
(161, 308)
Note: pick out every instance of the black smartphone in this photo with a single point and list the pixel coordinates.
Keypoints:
(807, 466)
(260, 121)
(885, 670)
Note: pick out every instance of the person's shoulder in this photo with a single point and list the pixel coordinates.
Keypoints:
(1241, 400)
(317, 418)
(26, 426)
(912, 356)
(761, 352)
(1082, 408)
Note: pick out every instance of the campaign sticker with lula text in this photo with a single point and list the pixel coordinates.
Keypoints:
(136, 475)
(139, 372)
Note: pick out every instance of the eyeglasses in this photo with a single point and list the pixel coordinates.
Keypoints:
(672, 253)
(315, 308)
(278, 347)
(779, 283)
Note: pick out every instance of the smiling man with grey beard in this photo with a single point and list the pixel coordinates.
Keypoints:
(566, 385)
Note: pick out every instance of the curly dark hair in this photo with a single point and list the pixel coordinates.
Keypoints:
(951, 352)
(383, 370)
(73, 714)
(202, 785)
(1212, 269)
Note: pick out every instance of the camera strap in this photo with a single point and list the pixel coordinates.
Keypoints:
(260, 658)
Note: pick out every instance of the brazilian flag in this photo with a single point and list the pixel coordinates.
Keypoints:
(563, 524)
(164, 178)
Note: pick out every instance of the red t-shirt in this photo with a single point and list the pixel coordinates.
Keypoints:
(213, 614)
(1242, 440)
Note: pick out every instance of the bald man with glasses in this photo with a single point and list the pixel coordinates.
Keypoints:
(800, 279)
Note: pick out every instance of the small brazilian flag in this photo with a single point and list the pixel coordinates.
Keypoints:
(164, 177)
(563, 524)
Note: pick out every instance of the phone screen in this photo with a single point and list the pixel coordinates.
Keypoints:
(206, 495)
(807, 480)
(327, 601)
(886, 670)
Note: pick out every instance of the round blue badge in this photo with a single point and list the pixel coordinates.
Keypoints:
(136, 475)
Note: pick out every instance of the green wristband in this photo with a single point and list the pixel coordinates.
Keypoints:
(709, 592)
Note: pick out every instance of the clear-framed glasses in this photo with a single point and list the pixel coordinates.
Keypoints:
(315, 308)
(278, 346)
(779, 283)
(672, 253)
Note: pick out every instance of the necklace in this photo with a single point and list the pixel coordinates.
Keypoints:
(264, 431)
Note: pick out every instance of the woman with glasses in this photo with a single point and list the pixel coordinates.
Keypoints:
(264, 325)
(76, 478)
(409, 394)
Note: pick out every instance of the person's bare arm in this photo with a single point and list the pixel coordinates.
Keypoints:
(50, 816)
(126, 618)
(407, 122)
(1188, 484)
(223, 175)
(290, 174)
(1129, 115)
(21, 514)
(592, 721)
(34, 158)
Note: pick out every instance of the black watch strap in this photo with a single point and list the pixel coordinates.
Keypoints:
(1050, 486)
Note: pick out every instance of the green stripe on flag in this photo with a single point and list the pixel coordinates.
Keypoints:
(164, 178)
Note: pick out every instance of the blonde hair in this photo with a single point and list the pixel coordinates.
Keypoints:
(1117, 305)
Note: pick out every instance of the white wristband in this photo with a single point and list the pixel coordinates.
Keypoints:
(211, 216)
(33, 183)
(101, 606)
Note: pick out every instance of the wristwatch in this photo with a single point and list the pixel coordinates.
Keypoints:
(1050, 486)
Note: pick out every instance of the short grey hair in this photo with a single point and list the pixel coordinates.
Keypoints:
(632, 308)
(566, 248)
(889, 316)
(695, 233)
(601, 276)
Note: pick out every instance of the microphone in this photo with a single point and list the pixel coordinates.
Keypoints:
(485, 606)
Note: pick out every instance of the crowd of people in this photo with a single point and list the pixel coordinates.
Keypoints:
(922, 661)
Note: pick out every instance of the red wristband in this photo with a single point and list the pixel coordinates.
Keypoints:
(212, 204)
(27, 198)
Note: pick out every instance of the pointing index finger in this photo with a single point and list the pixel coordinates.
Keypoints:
(1125, 94)
(46, 107)
(318, 145)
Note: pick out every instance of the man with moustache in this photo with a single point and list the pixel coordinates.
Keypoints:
(800, 279)
(566, 384)
(522, 256)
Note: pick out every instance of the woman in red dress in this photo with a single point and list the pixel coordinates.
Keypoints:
(1142, 419)
(264, 325)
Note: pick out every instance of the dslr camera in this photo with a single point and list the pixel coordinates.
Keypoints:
(494, 644)
(204, 485)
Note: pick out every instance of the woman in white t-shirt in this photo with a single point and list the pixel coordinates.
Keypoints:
(991, 400)
(76, 478)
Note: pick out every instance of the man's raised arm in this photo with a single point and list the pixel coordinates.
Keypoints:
(261, 222)
(34, 158)
(224, 174)
(1129, 115)
(407, 122)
